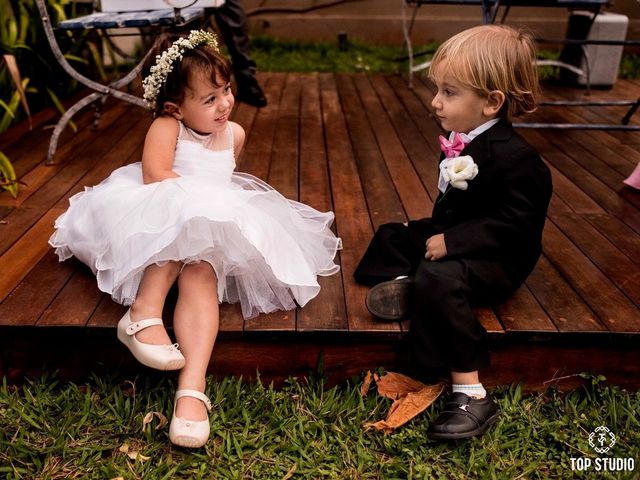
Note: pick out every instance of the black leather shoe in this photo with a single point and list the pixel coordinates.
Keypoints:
(249, 92)
(464, 417)
(390, 300)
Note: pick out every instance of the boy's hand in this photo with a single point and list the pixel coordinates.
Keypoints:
(436, 248)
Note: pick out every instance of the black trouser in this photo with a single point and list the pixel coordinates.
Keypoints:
(444, 333)
(232, 23)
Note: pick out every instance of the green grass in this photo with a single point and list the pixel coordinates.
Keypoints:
(276, 55)
(54, 430)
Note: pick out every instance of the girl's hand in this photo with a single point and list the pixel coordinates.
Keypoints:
(436, 248)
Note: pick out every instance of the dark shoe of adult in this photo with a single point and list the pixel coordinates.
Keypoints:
(464, 417)
(249, 92)
(390, 300)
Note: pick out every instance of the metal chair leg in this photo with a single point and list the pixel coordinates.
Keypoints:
(632, 110)
(62, 123)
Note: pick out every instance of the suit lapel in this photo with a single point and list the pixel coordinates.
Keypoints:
(480, 150)
(480, 147)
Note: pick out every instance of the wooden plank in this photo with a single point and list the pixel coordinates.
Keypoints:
(611, 306)
(284, 168)
(618, 268)
(488, 319)
(107, 314)
(73, 147)
(327, 311)
(589, 154)
(618, 233)
(56, 186)
(29, 150)
(558, 205)
(245, 116)
(607, 115)
(257, 155)
(24, 305)
(75, 303)
(571, 195)
(26, 127)
(382, 199)
(352, 221)
(593, 186)
(22, 256)
(609, 149)
(283, 176)
(521, 312)
(422, 117)
(4, 211)
(375, 92)
(419, 136)
(49, 276)
(564, 306)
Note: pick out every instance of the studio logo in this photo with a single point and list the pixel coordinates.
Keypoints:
(602, 439)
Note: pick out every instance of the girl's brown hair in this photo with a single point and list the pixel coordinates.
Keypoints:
(489, 58)
(202, 60)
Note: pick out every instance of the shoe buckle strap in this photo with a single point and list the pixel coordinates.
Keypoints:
(469, 413)
(135, 327)
(195, 394)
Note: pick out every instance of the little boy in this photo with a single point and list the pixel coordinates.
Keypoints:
(484, 236)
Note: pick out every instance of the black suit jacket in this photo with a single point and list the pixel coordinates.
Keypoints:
(502, 213)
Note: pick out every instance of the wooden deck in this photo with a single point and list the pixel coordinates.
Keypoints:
(365, 147)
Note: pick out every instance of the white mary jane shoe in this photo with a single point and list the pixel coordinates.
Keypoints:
(161, 357)
(189, 433)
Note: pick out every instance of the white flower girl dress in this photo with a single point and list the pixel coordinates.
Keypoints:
(266, 250)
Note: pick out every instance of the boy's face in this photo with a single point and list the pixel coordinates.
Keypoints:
(459, 108)
(206, 107)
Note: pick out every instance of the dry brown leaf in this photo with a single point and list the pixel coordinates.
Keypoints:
(410, 398)
(366, 384)
(395, 385)
(148, 418)
(291, 471)
(124, 448)
(137, 456)
(128, 388)
(117, 478)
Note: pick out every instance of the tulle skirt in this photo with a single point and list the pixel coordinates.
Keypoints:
(266, 250)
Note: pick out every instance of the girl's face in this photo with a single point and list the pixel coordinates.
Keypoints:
(459, 108)
(206, 107)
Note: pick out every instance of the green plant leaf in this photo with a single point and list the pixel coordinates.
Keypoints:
(13, 106)
(12, 64)
(97, 59)
(4, 105)
(56, 101)
(75, 58)
(8, 175)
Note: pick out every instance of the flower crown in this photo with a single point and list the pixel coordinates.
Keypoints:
(164, 62)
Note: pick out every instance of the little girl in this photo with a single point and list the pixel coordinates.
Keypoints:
(484, 236)
(183, 214)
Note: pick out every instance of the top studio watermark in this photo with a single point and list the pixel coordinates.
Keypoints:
(602, 441)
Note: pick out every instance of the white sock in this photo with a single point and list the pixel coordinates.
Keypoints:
(473, 390)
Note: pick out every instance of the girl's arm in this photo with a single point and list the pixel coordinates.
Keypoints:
(238, 138)
(159, 150)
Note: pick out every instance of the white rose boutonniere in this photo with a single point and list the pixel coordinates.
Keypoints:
(457, 171)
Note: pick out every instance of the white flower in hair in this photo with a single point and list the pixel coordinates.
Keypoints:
(456, 171)
(164, 62)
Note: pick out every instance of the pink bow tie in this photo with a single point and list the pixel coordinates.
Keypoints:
(452, 149)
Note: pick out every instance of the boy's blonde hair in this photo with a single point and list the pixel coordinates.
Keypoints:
(488, 58)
